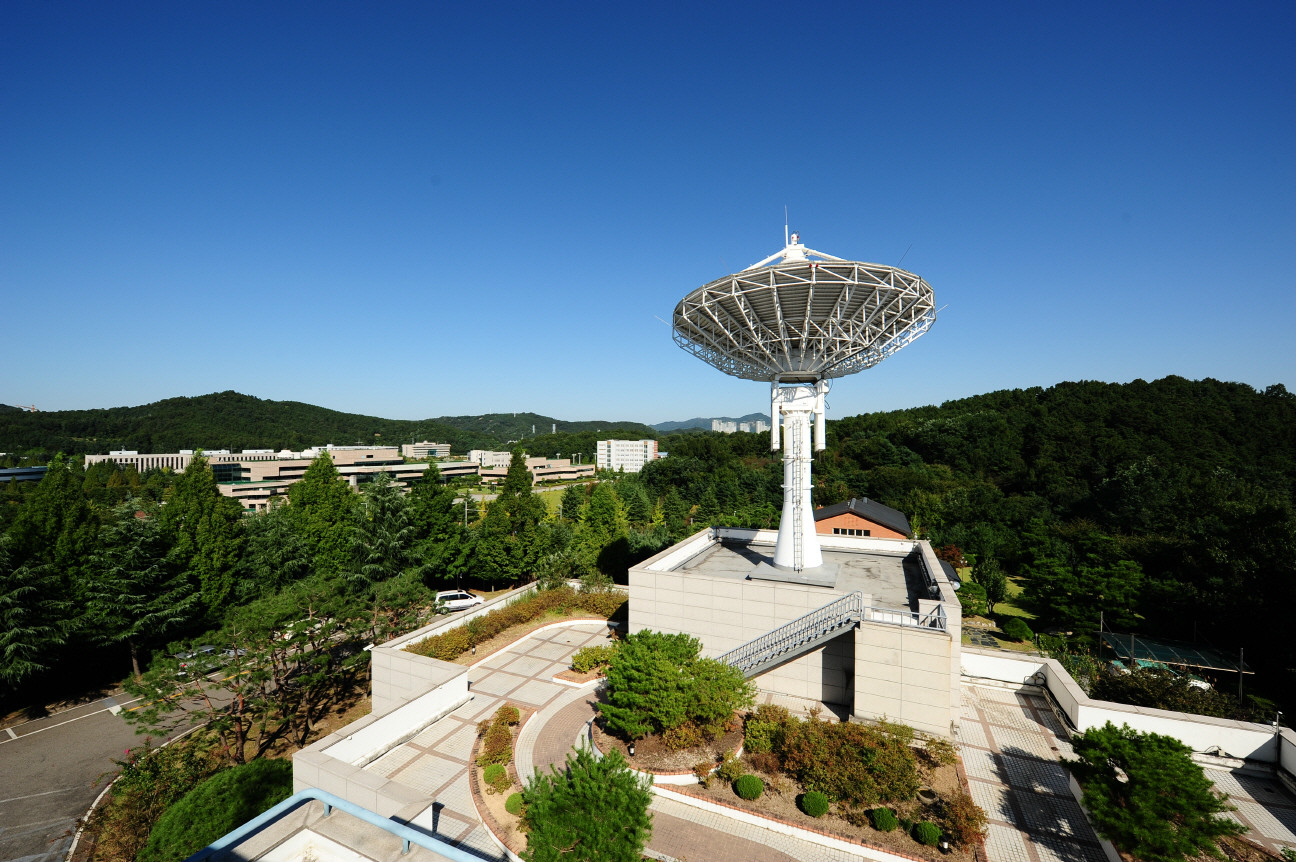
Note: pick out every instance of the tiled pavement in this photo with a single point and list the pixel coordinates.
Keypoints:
(436, 761)
(1011, 743)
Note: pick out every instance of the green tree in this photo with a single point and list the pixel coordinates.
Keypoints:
(202, 527)
(1074, 572)
(384, 534)
(990, 575)
(274, 554)
(130, 594)
(594, 810)
(1146, 795)
(573, 501)
(658, 682)
(33, 617)
(324, 510)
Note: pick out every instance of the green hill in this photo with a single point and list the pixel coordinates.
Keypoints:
(229, 420)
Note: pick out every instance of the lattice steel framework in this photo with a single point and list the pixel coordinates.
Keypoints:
(803, 321)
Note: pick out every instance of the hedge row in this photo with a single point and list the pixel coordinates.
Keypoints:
(449, 645)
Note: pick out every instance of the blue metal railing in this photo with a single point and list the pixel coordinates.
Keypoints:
(408, 835)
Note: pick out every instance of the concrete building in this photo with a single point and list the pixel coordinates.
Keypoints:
(425, 449)
(875, 631)
(487, 458)
(629, 456)
(862, 517)
(255, 477)
(543, 470)
(723, 426)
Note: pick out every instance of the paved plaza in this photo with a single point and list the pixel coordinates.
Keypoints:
(1010, 743)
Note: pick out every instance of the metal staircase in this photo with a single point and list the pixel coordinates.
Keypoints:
(797, 637)
(816, 628)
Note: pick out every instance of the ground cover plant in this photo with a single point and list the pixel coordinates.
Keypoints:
(218, 805)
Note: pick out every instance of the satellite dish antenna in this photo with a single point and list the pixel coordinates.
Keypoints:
(798, 319)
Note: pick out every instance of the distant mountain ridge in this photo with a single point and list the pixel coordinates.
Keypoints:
(230, 420)
(705, 423)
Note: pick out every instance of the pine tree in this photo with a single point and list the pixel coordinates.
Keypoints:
(594, 810)
(129, 593)
(324, 510)
(1147, 795)
(202, 527)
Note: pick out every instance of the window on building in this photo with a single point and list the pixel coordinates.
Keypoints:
(849, 531)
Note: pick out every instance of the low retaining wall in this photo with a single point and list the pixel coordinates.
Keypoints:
(1205, 735)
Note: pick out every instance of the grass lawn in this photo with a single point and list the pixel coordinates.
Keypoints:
(1002, 612)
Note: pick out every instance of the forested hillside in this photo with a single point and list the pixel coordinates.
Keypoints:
(1165, 506)
(228, 420)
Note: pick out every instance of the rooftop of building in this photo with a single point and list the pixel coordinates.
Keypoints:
(888, 570)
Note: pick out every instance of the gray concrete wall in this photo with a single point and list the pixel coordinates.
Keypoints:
(725, 613)
(902, 673)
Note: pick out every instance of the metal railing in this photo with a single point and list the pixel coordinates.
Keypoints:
(407, 835)
(806, 632)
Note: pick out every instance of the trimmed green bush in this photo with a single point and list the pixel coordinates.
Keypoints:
(814, 803)
(591, 657)
(513, 805)
(927, 833)
(883, 819)
(218, 805)
(749, 787)
(1017, 629)
(496, 778)
(906, 824)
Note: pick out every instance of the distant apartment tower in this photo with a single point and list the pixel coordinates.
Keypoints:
(724, 426)
(627, 455)
(425, 450)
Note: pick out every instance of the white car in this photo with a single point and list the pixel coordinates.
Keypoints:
(458, 600)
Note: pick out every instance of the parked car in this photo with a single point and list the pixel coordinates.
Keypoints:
(199, 661)
(457, 600)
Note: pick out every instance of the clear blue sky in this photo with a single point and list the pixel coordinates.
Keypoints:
(414, 210)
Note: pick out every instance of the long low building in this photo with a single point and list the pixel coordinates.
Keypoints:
(255, 477)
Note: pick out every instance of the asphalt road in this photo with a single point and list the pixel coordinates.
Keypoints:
(51, 770)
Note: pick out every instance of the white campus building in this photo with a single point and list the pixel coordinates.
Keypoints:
(629, 456)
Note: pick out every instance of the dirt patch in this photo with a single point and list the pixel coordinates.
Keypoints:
(778, 802)
(570, 675)
(512, 635)
(652, 755)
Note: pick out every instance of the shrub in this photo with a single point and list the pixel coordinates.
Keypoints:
(513, 805)
(883, 819)
(730, 769)
(906, 824)
(814, 803)
(218, 805)
(1017, 629)
(761, 737)
(765, 762)
(591, 657)
(702, 769)
(855, 763)
(962, 819)
(496, 778)
(687, 735)
(939, 751)
(749, 787)
(507, 714)
(927, 833)
(497, 747)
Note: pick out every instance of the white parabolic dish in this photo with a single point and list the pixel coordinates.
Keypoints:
(800, 321)
(797, 323)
